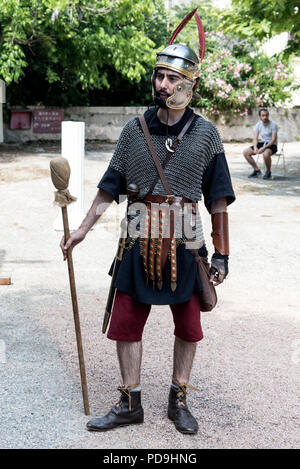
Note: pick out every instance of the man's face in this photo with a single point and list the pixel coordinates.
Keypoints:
(165, 82)
(264, 116)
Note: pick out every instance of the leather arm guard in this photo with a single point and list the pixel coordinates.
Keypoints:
(220, 232)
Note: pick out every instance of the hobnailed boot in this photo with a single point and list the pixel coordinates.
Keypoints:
(128, 411)
(178, 410)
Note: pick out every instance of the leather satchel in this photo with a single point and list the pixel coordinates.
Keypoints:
(208, 295)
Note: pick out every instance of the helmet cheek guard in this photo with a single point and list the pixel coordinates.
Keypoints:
(182, 95)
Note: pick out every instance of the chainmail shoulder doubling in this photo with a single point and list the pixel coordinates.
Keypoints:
(185, 169)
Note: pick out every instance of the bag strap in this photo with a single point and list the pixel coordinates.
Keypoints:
(154, 155)
(158, 164)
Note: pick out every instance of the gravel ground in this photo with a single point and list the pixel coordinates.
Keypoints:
(247, 366)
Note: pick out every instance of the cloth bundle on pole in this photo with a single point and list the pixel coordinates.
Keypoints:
(60, 175)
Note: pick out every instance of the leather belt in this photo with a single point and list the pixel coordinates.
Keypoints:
(170, 199)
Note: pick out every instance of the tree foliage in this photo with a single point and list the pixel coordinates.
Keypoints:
(235, 74)
(101, 52)
(263, 19)
(68, 48)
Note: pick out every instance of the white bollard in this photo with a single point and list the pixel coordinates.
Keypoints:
(72, 148)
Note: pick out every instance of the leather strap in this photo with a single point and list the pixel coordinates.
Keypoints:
(154, 155)
(160, 199)
(158, 164)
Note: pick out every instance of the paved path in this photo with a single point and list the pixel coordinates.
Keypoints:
(247, 366)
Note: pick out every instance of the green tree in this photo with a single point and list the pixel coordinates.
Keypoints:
(62, 50)
(235, 74)
(263, 19)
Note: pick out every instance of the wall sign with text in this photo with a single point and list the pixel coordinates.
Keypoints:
(47, 121)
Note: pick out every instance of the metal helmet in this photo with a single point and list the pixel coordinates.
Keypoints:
(181, 59)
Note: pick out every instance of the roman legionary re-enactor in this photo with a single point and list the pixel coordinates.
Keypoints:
(157, 266)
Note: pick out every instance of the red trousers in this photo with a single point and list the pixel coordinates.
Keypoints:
(129, 318)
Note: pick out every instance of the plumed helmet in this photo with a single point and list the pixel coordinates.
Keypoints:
(181, 59)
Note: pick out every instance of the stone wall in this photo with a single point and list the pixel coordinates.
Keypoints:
(106, 123)
(241, 128)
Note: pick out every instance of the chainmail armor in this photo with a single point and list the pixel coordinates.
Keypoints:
(184, 171)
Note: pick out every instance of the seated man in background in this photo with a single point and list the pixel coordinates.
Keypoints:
(267, 130)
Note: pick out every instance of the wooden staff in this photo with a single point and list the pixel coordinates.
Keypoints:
(76, 314)
(57, 177)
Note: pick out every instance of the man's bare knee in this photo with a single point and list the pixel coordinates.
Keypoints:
(248, 152)
(267, 153)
